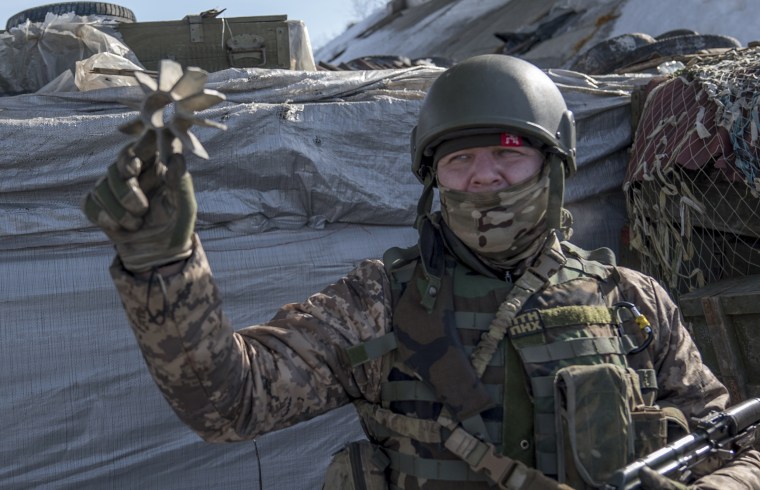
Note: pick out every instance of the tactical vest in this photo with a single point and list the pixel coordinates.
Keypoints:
(557, 395)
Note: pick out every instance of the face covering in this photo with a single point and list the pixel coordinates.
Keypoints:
(504, 226)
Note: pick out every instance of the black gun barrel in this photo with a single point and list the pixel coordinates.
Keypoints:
(743, 415)
(710, 433)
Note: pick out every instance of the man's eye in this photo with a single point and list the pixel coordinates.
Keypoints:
(458, 159)
(507, 153)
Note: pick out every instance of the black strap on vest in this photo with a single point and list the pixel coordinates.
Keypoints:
(431, 255)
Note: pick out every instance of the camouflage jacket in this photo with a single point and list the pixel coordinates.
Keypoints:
(232, 385)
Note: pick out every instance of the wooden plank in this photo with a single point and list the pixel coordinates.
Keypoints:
(732, 370)
(741, 296)
(691, 302)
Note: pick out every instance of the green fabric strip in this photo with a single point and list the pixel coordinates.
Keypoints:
(576, 315)
(647, 378)
(413, 390)
(534, 321)
(543, 386)
(545, 424)
(547, 462)
(432, 469)
(517, 438)
(372, 349)
(406, 391)
(573, 348)
(475, 425)
(473, 320)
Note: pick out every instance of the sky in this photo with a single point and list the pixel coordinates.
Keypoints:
(324, 19)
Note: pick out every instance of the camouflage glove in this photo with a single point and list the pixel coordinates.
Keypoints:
(147, 209)
(651, 480)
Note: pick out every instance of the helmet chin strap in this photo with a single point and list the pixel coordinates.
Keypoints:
(556, 192)
(425, 203)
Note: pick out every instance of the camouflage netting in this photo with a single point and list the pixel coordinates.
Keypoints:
(694, 175)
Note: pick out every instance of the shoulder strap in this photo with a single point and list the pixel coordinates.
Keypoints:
(429, 252)
(603, 255)
(505, 472)
(396, 258)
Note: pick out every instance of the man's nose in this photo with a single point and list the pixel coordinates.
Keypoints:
(485, 170)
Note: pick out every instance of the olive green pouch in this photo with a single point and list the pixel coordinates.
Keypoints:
(595, 435)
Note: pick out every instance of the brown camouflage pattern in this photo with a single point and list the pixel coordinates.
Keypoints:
(502, 226)
(232, 385)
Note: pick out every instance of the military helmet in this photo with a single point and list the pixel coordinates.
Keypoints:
(490, 93)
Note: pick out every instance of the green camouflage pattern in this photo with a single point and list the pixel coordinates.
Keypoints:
(564, 315)
(430, 347)
(232, 385)
(503, 226)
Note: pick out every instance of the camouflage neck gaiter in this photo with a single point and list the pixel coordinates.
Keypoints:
(502, 227)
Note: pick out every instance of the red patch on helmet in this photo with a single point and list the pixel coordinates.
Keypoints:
(511, 139)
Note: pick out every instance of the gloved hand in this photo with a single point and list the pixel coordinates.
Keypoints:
(651, 480)
(146, 208)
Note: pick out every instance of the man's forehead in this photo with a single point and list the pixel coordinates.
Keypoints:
(458, 142)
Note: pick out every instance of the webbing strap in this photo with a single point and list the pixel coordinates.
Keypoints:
(473, 320)
(547, 462)
(483, 458)
(548, 263)
(372, 349)
(545, 424)
(413, 390)
(428, 431)
(407, 390)
(545, 440)
(573, 348)
(543, 386)
(432, 469)
(384, 423)
(475, 425)
(647, 378)
(355, 456)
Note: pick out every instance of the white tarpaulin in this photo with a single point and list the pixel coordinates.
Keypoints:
(312, 176)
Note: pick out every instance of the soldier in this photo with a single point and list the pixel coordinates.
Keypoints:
(492, 353)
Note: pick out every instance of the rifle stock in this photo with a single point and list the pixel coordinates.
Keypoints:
(720, 435)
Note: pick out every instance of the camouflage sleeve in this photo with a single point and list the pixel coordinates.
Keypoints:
(229, 385)
(683, 380)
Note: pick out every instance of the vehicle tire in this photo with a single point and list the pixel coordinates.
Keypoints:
(679, 46)
(37, 14)
(676, 32)
(603, 57)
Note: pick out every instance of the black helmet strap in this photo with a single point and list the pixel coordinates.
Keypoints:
(425, 203)
(556, 191)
